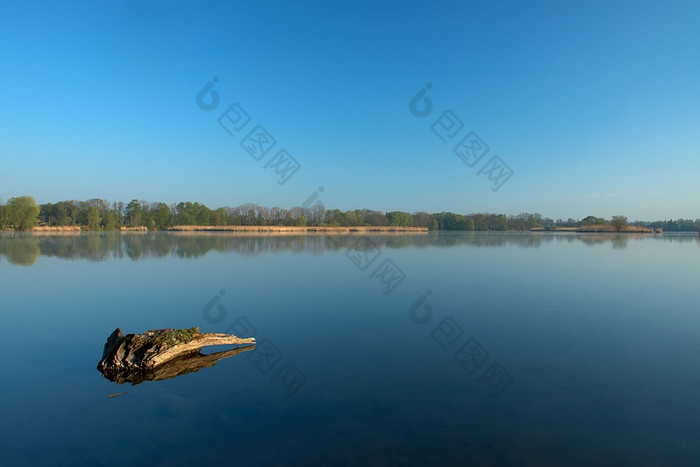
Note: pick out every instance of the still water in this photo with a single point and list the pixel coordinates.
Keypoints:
(445, 348)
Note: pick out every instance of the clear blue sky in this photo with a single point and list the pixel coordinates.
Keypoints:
(594, 105)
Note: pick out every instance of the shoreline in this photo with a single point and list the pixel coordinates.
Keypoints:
(597, 229)
(300, 230)
(284, 229)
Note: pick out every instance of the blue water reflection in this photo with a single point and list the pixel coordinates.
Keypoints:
(598, 334)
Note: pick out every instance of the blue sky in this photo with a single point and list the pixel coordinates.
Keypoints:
(595, 106)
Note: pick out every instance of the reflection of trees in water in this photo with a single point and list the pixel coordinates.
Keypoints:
(23, 249)
(491, 239)
(20, 249)
(681, 238)
(619, 241)
(93, 246)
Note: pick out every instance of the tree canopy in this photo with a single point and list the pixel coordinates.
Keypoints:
(21, 213)
(619, 222)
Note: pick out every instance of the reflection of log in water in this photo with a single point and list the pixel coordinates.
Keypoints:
(162, 354)
(189, 363)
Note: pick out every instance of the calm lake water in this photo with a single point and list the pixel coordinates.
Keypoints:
(449, 348)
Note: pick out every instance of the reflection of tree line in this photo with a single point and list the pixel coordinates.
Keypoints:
(24, 249)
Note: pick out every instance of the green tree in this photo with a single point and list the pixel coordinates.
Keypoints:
(161, 216)
(186, 213)
(93, 218)
(619, 222)
(479, 222)
(47, 214)
(22, 212)
(118, 210)
(376, 218)
(3, 216)
(422, 219)
(133, 213)
(592, 220)
(218, 216)
(356, 217)
(65, 212)
(147, 220)
(399, 218)
(110, 221)
(203, 215)
(500, 222)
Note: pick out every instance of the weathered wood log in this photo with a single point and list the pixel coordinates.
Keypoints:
(162, 353)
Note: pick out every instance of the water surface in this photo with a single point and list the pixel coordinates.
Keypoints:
(481, 348)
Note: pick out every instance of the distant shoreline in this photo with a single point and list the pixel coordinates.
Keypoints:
(256, 230)
(599, 228)
(296, 229)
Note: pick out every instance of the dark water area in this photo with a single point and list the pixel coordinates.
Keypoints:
(447, 348)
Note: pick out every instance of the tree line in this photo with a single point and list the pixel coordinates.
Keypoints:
(22, 213)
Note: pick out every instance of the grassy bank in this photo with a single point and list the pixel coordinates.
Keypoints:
(596, 228)
(296, 229)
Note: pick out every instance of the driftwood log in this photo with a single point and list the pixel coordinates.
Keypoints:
(163, 353)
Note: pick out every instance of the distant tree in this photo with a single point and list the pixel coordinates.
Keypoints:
(233, 217)
(399, 218)
(22, 212)
(356, 217)
(422, 219)
(3, 216)
(147, 219)
(160, 213)
(133, 213)
(66, 212)
(524, 221)
(264, 215)
(590, 220)
(203, 215)
(93, 218)
(500, 222)
(47, 214)
(316, 214)
(101, 204)
(686, 225)
(118, 210)
(247, 214)
(375, 218)
(547, 222)
(297, 213)
(479, 222)
(110, 221)
(218, 217)
(452, 221)
(334, 217)
(619, 222)
(186, 213)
